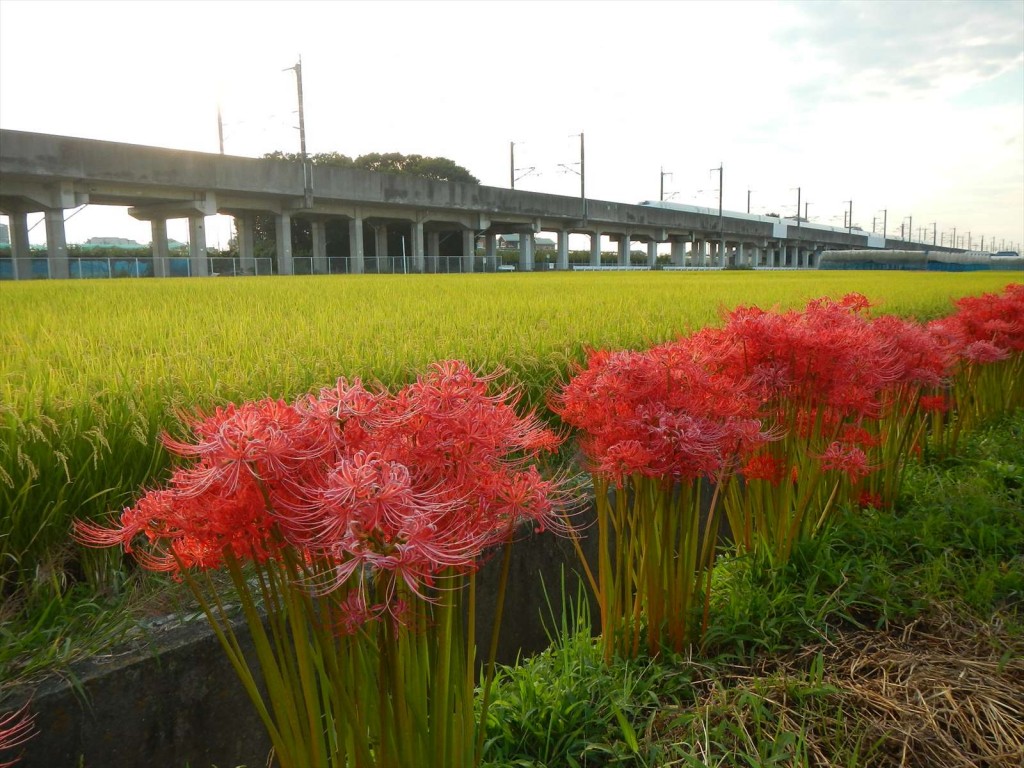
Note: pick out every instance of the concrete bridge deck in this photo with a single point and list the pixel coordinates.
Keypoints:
(49, 174)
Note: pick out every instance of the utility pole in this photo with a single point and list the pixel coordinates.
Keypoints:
(721, 226)
(664, 173)
(220, 128)
(582, 172)
(307, 170)
(583, 179)
(512, 166)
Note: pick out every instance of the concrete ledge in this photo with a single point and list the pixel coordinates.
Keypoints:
(176, 702)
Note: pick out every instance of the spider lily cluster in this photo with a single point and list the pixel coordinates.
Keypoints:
(351, 524)
(776, 419)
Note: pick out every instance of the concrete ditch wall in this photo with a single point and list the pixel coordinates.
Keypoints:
(177, 703)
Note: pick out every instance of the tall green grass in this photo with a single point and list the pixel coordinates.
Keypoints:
(92, 371)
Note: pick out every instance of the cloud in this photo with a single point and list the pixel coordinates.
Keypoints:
(904, 49)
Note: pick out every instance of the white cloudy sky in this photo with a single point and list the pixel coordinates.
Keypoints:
(912, 106)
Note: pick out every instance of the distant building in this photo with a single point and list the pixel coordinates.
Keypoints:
(124, 244)
(539, 243)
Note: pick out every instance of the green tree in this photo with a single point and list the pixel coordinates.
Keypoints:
(436, 168)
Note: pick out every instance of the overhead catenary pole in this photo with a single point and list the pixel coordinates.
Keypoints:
(748, 201)
(220, 128)
(583, 178)
(582, 172)
(885, 223)
(721, 226)
(307, 170)
(849, 223)
(512, 164)
(664, 173)
(934, 233)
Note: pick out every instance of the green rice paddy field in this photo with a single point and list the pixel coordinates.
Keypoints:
(92, 371)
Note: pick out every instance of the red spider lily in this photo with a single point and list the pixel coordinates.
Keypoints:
(995, 318)
(654, 425)
(351, 504)
(934, 403)
(920, 359)
(413, 484)
(764, 467)
(16, 728)
(984, 352)
(823, 377)
(825, 359)
(848, 459)
(986, 336)
(663, 413)
(868, 500)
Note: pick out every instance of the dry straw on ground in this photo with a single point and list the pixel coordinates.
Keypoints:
(941, 692)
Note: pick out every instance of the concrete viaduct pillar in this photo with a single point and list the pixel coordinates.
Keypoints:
(468, 249)
(318, 229)
(418, 251)
(380, 248)
(562, 262)
(595, 249)
(678, 253)
(161, 253)
(434, 251)
(491, 250)
(199, 266)
(624, 243)
(526, 249)
(56, 244)
(283, 231)
(697, 253)
(357, 257)
(246, 234)
(652, 254)
(21, 253)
